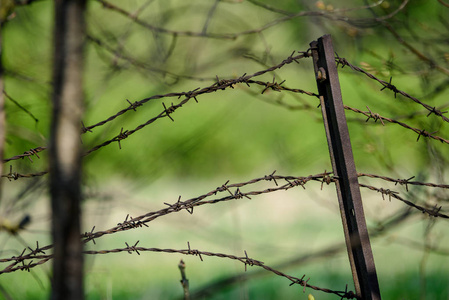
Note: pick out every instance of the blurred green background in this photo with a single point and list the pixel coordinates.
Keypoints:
(237, 135)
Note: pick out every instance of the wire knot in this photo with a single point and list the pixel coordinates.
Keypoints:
(374, 116)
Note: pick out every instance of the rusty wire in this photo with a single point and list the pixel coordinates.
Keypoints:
(292, 181)
(387, 85)
(169, 109)
(405, 182)
(37, 256)
(217, 86)
(14, 175)
(380, 229)
(28, 154)
(188, 205)
(433, 212)
(246, 260)
(375, 116)
(224, 84)
(18, 262)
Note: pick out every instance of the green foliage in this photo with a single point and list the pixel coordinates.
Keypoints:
(227, 131)
(236, 133)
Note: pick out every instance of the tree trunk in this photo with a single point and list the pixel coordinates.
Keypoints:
(2, 106)
(65, 149)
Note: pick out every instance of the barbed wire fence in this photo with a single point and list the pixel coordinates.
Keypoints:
(32, 257)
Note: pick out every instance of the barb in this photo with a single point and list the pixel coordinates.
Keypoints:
(388, 85)
(278, 87)
(413, 114)
(28, 154)
(14, 175)
(374, 116)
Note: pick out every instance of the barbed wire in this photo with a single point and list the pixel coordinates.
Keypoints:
(375, 116)
(381, 228)
(247, 261)
(404, 182)
(217, 86)
(291, 182)
(433, 212)
(387, 85)
(28, 154)
(414, 114)
(188, 205)
(369, 114)
(223, 84)
(14, 175)
(18, 263)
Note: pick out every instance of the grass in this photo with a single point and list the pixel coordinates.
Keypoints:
(271, 228)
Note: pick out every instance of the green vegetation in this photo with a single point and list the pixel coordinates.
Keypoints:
(236, 134)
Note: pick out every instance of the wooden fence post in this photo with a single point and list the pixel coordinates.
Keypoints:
(348, 191)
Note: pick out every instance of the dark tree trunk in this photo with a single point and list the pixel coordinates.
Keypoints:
(2, 107)
(2, 100)
(65, 149)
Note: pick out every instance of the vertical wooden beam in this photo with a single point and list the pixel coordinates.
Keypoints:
(348, 191)
(65, 149)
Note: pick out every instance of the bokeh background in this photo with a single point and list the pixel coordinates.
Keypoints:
(137, 49)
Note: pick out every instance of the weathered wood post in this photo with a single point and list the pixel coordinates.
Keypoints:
(348, 191)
